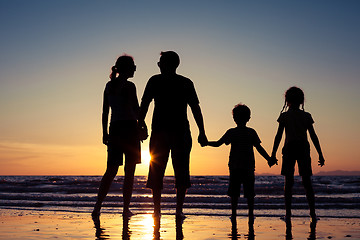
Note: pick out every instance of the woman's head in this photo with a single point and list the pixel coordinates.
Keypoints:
(124, 66)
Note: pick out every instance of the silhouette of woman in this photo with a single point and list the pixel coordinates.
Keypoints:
(122, 139)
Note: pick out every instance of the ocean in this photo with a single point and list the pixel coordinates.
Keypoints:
(336, 196)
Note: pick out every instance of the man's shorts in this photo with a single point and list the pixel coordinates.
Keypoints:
(123, 140)
(244, 177)
(297, 151)
(161, 143)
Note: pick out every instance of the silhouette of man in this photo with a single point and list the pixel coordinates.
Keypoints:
(170, 127)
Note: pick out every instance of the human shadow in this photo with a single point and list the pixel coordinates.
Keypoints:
(288, 232)
(100, 232)
(179, 228)
(126, 233)
(234, 234)
(312, 233)
(156, 235)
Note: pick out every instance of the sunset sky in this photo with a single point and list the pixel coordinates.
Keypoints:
(55, 58)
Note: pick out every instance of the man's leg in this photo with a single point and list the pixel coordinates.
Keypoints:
(180, 198)
(157, 202)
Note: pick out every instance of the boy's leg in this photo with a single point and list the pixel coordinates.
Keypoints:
(306, 180)
(250, 202)
(289, 182)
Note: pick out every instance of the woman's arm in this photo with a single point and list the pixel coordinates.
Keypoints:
(105, 118)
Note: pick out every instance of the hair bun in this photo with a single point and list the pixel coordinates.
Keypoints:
(113, 68)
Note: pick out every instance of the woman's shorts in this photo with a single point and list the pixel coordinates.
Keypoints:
(123, 140)
(297, 151)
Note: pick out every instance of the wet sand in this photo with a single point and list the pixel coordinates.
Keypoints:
(17, 224)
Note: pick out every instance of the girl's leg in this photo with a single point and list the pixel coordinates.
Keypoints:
(289, 182)
(306, 180)
(128, 186)
(105, 184)
(234, 204)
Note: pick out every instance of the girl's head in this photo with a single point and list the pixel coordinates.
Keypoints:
(294, 97)
(124, 66)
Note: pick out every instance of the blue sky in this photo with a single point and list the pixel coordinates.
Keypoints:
(55, 57)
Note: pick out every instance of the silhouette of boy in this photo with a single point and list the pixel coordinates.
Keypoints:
(242, 160)
(172, 93)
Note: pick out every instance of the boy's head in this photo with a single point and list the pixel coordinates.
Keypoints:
(241, 114)
(169, 61)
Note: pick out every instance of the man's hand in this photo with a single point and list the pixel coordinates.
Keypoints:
(202, 139)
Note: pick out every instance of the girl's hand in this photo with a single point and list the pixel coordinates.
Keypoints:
(105, 138)
(321, 161)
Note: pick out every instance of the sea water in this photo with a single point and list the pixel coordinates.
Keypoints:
(336, 196)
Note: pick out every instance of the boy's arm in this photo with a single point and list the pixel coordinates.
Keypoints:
(215, 143)
(316, 142)
(262, 151)
(277, 139)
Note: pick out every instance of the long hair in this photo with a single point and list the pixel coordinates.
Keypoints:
(294, 96)
(123, 63)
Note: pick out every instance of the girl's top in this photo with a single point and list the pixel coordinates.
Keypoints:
(122, 99)
(296, 123)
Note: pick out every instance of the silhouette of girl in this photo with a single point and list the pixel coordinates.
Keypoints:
(297, 123)
(122, 139)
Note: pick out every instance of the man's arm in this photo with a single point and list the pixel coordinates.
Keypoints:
(196, 111)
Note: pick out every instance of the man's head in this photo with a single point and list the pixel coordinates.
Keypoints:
(169, 61)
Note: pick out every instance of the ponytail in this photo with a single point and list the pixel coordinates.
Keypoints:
(113, 73)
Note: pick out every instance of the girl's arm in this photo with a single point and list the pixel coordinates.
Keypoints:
(105, 118)
(277, 139)
(316, 143)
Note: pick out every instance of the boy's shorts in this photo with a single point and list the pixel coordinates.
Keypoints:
(299, 152)
(244, 177)
(161, 143)
(123, 140)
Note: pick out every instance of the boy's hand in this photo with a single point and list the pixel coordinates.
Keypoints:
(321, 161)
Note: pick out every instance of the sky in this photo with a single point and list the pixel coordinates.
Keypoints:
(56, 56)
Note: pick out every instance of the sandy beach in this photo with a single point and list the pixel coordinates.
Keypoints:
(18, 224)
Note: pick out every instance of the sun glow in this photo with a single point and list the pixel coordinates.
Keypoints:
(145, 157)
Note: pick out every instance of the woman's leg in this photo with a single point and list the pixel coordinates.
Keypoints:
(105, 184)
(128, 185)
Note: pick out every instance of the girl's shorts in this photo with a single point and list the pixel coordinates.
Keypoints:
(297, 151)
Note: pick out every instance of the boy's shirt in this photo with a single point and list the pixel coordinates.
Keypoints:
(296, 123)
(242, 140)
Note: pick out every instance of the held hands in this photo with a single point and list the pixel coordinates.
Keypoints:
(202, 139)
(272, 161)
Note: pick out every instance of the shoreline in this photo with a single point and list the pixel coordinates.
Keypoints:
(27, 224)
